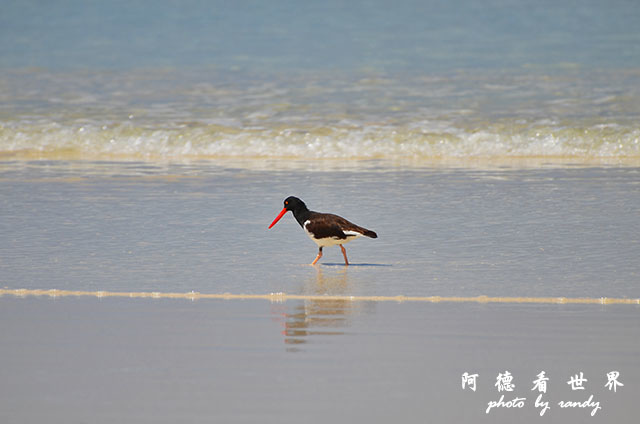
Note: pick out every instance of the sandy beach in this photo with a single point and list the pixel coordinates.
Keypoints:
(154, 360)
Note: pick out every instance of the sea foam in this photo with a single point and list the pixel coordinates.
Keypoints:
(391, 142)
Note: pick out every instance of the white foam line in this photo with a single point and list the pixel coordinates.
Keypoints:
(283, 297)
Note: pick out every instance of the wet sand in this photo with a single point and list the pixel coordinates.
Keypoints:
(106, 360)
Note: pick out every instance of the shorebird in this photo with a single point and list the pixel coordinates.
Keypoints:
(325, 229)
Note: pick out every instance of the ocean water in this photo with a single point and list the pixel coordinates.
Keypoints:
(146, 146)
(548, 232)
(417, 35)
(437, 81)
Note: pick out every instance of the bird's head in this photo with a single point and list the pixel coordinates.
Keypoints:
(292, 204)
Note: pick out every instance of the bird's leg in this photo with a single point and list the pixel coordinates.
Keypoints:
(344, 253)
(317, 257)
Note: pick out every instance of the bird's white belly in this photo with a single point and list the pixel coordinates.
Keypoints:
(331, 241)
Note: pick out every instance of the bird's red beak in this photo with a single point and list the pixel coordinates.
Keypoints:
(280, 215)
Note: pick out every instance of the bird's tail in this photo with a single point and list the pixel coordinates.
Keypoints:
(370, 233)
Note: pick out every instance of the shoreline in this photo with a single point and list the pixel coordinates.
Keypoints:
(283, 297)
(488, 163)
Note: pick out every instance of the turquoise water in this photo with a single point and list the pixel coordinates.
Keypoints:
(409, 35)
(436, 81)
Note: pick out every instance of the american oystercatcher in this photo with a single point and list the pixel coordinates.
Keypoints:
(325, 229)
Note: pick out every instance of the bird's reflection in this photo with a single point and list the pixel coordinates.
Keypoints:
(318, 317)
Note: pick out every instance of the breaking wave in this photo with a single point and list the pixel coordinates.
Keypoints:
(410, 141)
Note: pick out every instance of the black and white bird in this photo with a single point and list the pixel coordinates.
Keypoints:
(325, 229)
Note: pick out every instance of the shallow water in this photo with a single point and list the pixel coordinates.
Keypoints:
(183, 115)
(545, 232)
